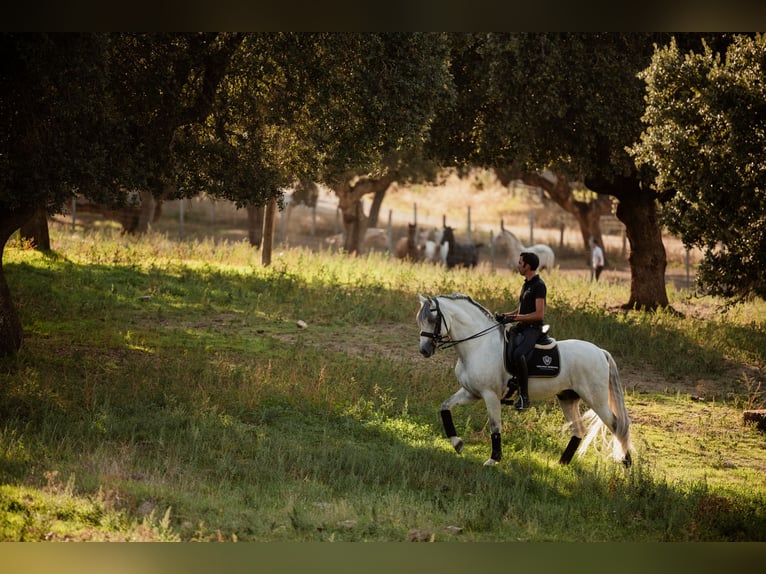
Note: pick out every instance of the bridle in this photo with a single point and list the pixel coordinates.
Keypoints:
(444, 341)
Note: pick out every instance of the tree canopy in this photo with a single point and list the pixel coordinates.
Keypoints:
(240, 116)
(571, 102)
(705, 138)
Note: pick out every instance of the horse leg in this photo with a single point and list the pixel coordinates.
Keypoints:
(461, 397)
(494, 410)
(569, 401)
(566, 456)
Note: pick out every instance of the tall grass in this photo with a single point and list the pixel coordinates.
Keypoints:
(165, 392)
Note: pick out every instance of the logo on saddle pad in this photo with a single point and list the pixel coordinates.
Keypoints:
(544, 363)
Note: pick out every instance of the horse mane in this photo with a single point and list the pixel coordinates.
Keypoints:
(462, 297)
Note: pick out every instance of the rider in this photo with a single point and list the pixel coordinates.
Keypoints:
(529, 316)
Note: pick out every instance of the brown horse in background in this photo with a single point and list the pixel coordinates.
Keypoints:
(408, 247)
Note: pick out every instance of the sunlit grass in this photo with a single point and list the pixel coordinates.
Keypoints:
(171, 381)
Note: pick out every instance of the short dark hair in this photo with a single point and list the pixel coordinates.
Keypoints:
(531, 259)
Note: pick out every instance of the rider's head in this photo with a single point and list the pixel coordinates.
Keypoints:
(530, 259)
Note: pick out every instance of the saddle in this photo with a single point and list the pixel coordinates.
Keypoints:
(542, 361)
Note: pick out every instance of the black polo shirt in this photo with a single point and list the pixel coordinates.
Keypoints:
(531, 290)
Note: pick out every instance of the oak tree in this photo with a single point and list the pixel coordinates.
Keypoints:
(705, 138)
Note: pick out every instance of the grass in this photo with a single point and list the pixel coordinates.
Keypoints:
(165, 392)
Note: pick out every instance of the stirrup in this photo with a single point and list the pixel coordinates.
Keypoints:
(511, 390)
(521, 403)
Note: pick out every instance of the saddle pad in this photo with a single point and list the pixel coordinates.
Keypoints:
(544, 362)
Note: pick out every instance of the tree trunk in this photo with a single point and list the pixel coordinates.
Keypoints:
(255, 225)
(268, 231)
(559, 189)
(36, 230)
(349, 202)
(377, 201)
(10, 324)
(638, 211)
(147, 212)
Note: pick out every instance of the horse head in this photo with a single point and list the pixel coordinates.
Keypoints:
(429, 319)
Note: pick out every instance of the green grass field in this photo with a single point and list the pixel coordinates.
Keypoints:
(165, 392)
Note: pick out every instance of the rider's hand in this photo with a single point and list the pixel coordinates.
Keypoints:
(500, 317)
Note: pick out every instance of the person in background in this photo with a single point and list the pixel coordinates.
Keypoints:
(596, 259)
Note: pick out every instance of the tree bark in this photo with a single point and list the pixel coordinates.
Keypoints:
(10, 323)
(36, 230)
(255, 225)
(638, 211)
(268, 231)
(377, 201)
(349, 202)
(147, 213)
(558, 188)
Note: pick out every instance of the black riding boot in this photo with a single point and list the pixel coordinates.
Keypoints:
(522, 377)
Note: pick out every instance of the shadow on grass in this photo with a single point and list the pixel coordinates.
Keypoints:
(173, 382)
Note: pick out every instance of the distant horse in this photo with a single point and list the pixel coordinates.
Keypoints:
(508, 242)
(434, 251)
(408, 247)
(463, 254)
(374, 238)
(586, 372)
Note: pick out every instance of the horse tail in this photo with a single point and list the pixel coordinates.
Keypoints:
(621, 430)
(620, 427)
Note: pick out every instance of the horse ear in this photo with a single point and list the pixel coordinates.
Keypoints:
(423, 300)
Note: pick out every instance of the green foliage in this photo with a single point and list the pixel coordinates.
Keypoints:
(240, 116)
(705, 138)
(569, 100)
(167, 386)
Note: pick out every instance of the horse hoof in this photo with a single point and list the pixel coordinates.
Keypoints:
(490, 462)
(628, 460)
(457, 444)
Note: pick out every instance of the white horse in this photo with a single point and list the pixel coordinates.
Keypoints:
(434, 250)
(506, 240)
(586, 372)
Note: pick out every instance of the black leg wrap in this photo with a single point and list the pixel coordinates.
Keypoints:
(497, 447)
(570, 450)
(449, 426)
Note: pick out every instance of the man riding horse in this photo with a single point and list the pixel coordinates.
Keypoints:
(529, 316)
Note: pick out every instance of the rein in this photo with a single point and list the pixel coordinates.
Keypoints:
(442, 341)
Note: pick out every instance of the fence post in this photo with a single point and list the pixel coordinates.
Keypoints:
(688, 274)
(390, 232)
(74, 212)
(492, 249)
(284, 220)
(531, 227)
(181, 217)
(468, 226)
(624, 243)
